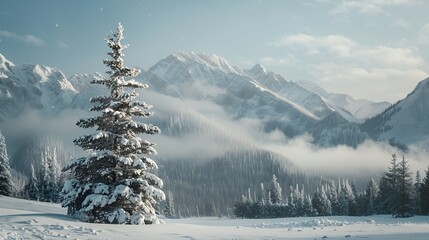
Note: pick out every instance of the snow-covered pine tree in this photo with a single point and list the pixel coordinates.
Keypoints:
(5, 177)
(113, 184)
(351, 193)
(169, 210)
(321, 203)
(276, 191)
(31, 190)
(43, 180)
(296, 201)
(308, 207)
(333, 198)
(262, 194)
(52, 177)
(371, 195)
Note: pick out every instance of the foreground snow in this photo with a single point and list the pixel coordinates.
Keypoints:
(21, 219)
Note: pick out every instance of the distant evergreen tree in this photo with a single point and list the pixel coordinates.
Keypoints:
(424, 194)
(169, 211)
(389, 184)
(113, 184)
(52, 178)
(416, 193)
(240, 207)
(404, 207)
(361, 205)
(276, 191)
(299, 203)
(309, 211)
(42, 181)
(6, 187)
(344, 204)
(346, 199)
(296, 201)
(262, 197)
(353, 201)
(370, 198)
(333, 197)
(418, 182)
(31, 189)
(292, 211)
(321, 203)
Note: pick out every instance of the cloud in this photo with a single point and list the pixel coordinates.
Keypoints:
(346, 66)
(336, 44)
(390, 57)
(369, 157)
(389, 84)
(206, 132)
(217, 130)
(30, 39)
(216, 133)
(370, 6)
(343, 47)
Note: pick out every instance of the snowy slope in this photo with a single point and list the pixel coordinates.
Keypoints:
(209, 77)
(82, 83)
(406, 122)
(335, 129)
(360, 108)
(32, 86)
(21, 219)
(289, 90)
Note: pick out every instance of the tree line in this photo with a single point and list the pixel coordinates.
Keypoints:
(45, 180)
(395, 194)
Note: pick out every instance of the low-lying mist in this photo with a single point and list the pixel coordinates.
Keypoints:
(201, 130)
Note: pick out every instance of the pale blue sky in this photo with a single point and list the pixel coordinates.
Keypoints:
(371, 49)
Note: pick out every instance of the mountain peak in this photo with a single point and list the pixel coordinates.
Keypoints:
(210, 60)
(334, 118)
(405, 122)
(258, 68)
(313, 87)
(334, 129)
(419, 92)
(5, 61)
(423, 84)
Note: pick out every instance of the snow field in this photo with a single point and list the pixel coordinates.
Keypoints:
(22, 219)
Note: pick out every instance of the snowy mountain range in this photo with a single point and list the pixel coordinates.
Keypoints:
(359, 108)
(209, 77)
(32, 86)
(256, 93)
(405, 122)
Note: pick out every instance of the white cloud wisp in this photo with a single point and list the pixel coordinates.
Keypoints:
(30, 39)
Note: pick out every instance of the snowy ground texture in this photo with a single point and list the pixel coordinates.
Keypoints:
(21, 219)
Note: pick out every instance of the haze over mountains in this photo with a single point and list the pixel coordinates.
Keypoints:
(256, 93)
